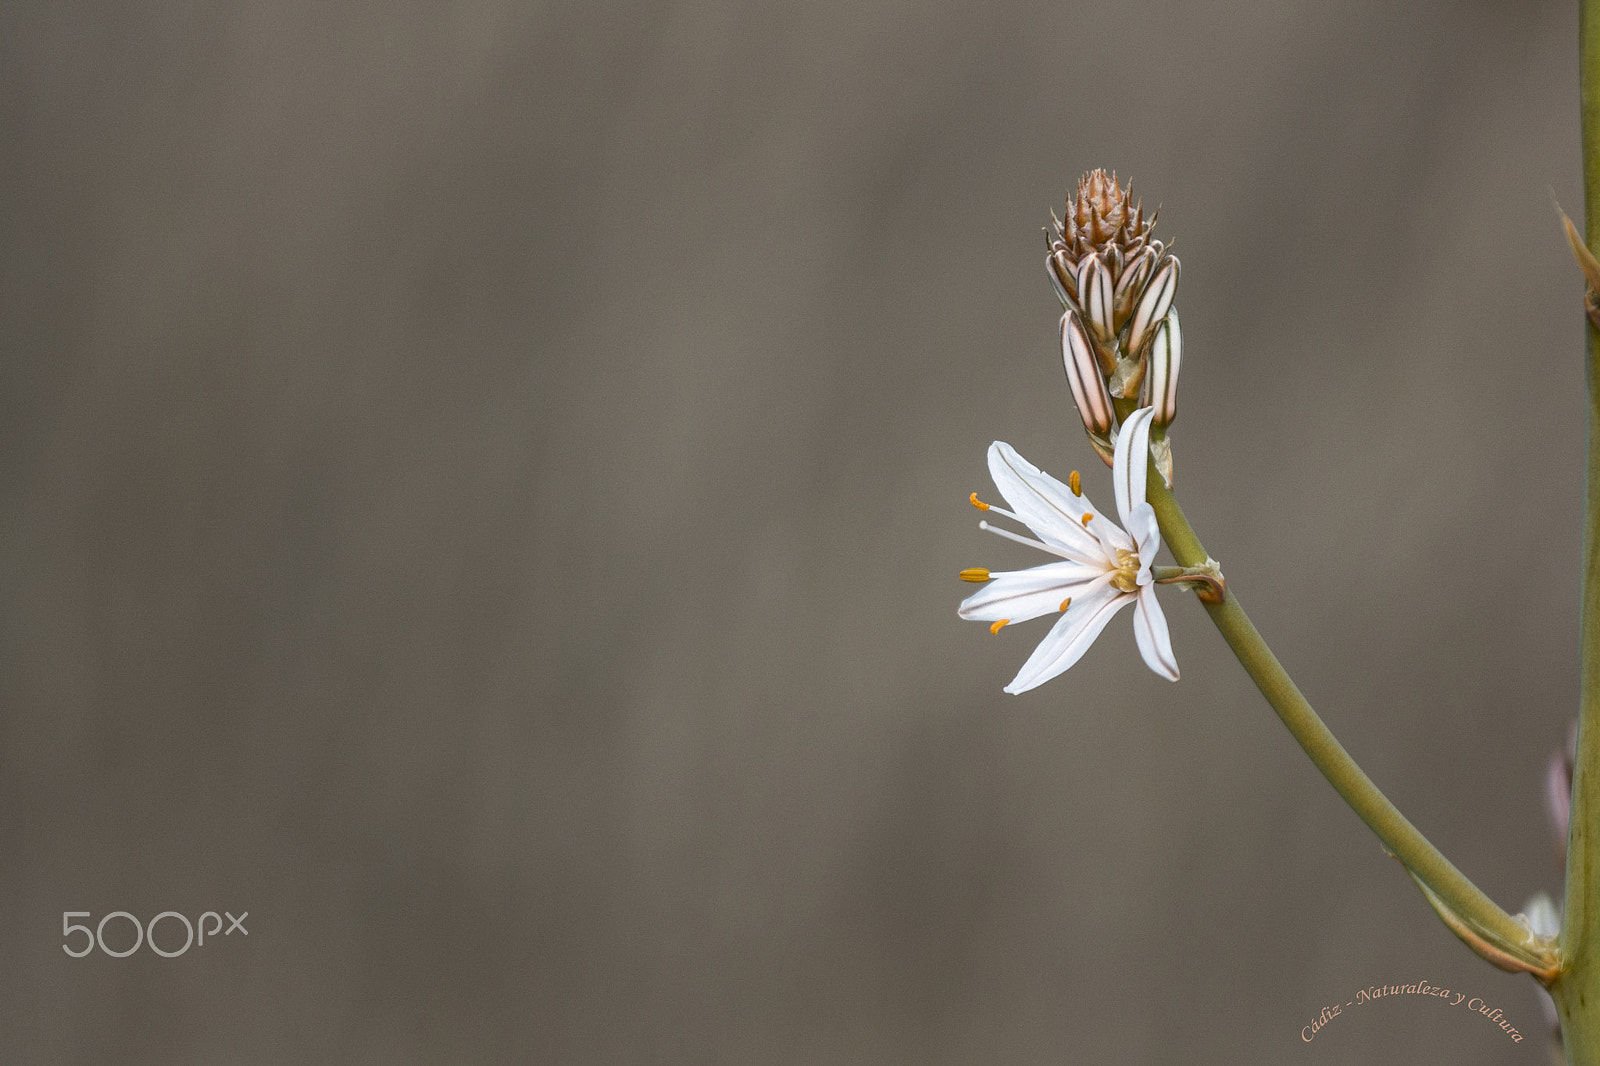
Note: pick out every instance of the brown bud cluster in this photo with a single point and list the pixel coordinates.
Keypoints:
(1119, 331)
(1103, 213)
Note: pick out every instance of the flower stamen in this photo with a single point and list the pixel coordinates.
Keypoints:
(995, 629)
(976, 574)
(1076, 483)
(1020, 539)
(1125, 578)
(1066, 603)
(980, 505)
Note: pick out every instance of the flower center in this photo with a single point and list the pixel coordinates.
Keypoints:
(1125, 578)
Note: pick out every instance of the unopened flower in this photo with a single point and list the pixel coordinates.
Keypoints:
(1161, 389)
(1161, 385)
(1103, 567)
(1088, 387)
(1153, 306)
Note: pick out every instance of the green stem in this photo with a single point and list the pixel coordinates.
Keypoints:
(1424, 860)
(1577, 990)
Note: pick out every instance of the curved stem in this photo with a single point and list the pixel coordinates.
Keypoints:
(1580, 927)
(1428, 865)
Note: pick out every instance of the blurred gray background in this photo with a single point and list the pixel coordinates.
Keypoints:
(483, 485)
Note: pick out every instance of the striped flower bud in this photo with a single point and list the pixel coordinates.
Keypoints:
(1112, 259)
(1094, 295)
(1063, 278)
(1088, 387)
(1152, 306)
(1131, 285)
(1161, 389)
(1161, 385)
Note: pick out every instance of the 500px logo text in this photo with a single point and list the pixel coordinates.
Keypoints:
(146, 934)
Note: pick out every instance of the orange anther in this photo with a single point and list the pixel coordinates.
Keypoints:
(1066, 603)
(1076, 483)
(975, 574)
(996, 627)
(979, 504)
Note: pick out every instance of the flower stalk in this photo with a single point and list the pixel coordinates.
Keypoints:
(1577, 990)
(1478, 920)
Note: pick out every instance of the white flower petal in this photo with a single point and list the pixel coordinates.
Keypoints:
(1019, 595)
(1070, 637)
(1132, 456)
(1112, 537)
(1048, 507)
(1150, 631)
(1146, 533)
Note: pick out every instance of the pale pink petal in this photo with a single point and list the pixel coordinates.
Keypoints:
(1150, 631)
(1047, 506)
(1070, 638)
(1019, 595)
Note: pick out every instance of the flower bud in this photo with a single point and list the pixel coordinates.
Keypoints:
(1153, 306)
(1166, 353)
(1062, 277)
(1131, 285)
(1111, 258)
(1083, 374)
(1094, 291)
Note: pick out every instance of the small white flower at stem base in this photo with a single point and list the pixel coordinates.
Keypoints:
(1103, 567)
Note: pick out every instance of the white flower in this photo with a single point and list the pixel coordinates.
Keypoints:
(1103, 567)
